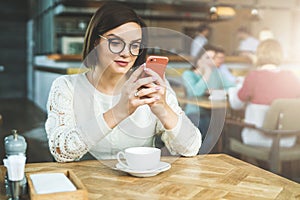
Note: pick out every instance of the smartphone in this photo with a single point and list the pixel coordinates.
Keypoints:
(157, 64)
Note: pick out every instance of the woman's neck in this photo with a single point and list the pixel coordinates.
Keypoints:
(106, 82)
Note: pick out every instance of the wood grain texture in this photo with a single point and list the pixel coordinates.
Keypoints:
(214, 176)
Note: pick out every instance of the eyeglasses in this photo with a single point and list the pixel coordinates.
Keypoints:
(117, 45)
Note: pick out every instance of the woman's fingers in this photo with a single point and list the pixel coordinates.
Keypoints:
(137, 80)
(143, 101)
(142, 89)
(147, 91)
(137, 73)
(157, 79)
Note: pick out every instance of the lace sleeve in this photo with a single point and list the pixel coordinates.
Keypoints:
(66, 142)
(184, 139)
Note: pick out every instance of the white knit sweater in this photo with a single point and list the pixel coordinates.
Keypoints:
(75, 123)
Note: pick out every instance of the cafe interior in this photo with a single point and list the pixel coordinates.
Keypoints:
(43, 40)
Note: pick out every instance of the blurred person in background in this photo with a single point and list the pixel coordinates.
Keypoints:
(265, 34)
(200, 39)
(219, 60)
(248, 44)
(203, 77)
(260, 87)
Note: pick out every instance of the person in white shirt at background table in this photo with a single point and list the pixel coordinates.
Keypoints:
(248, 44)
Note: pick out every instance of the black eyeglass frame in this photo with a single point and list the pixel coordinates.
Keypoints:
(141, 45)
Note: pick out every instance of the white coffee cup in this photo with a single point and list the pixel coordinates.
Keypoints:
(140, 158)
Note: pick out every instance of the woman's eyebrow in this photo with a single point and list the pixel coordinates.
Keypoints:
(122, 38)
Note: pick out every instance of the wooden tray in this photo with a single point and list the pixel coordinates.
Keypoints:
(79, 194)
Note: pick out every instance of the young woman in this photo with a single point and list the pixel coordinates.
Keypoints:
(195, 82)
(196, 79)
(110, 107)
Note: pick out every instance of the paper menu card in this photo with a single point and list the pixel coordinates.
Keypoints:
(45, 183)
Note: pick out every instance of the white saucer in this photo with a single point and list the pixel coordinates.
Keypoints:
(162, 166)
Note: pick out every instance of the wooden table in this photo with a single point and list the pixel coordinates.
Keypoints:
(213, 176)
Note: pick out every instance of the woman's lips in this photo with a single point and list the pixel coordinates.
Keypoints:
(122, 63)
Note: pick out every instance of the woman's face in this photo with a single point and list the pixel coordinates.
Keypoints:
(119, 63)
(219, 59)
(206, 59)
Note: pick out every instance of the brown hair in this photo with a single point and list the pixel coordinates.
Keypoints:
(202, 51)
(203, 27)
(219, 49)
(109, 16)
(243, 29)
(269, 52)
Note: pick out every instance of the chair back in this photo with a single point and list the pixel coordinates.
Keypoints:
(283, 114)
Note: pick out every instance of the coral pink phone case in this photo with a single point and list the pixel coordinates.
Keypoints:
(157, 64)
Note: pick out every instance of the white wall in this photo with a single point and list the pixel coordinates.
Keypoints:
(280, 22)
(281, 17)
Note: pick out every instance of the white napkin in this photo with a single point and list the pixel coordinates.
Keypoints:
(46, 183)
(15, 165)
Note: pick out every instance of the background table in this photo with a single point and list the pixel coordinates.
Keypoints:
(214, 137)
(213, 176)
(204, 102)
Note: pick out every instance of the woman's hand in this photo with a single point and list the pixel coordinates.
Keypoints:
(135, 93)
(159, 107)
(204, 68)
(132, 97)
(138, 91)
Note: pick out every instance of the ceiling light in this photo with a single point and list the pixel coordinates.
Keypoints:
(213, 9)
(254, 11)
(221, 12)
(255, 15)
(225, 11)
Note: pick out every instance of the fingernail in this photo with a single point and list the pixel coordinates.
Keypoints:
(157, 88)
(146, 69)
(154, 78)
(157, 98)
